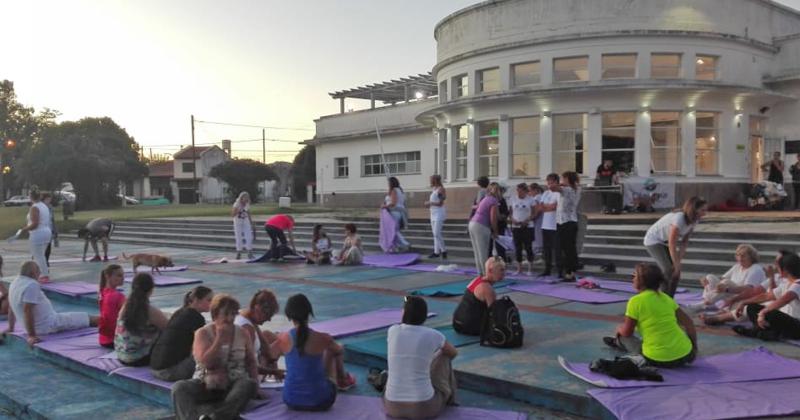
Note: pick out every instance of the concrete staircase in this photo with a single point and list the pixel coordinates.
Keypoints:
(617, 241)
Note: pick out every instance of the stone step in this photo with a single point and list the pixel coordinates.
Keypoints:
(699, 242)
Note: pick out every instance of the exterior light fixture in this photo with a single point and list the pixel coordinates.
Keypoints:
(594, 111)
(547, 114)
(644, 109)
(700, 61)
(470, 120)
(689, 109)
(419, 94)
(503, 117)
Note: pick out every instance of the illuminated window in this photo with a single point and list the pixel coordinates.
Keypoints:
(665, 143)
(571, 69)
(488, 148)
(665, 66)
(619, 66)
(706, 143)
(526, 74)
(525, 147)
(706, 67)
(488, 80)
(461, 140)
(569, 132)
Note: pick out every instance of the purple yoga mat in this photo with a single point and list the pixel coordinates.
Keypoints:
(225, 260)
(471, 271)
(72, 288)
(391, 260)
(703, 401)
(568, 292)
(620, 286)
(163, 281)
(689, 298)
(758, 364)
(360, 407)
(358, 323)
(83, 349)
(76, 259)
(145, 269)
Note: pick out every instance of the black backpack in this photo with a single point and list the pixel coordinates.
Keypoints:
(503, 327)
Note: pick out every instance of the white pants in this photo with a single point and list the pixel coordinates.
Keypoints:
(399, 240)
(437, 225)
(712, 296)
(242, 230)
(65, 321)
(38, 245)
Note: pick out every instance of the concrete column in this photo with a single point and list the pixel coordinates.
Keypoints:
(472, 151)
(729, 162)
(545, 146)
(441, 135)
(546, 70)
(641, 156)
(146, 190)
(595, 67)
(504, 146)
(593, 144)
(688, 143)
(341, 105)
(643, 65)
(688, 65)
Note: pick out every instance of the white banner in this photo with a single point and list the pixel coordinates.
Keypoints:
(649, 192)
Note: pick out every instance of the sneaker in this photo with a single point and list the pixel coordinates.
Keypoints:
(105, 259)
(433, 255)
(96, 258)
(349, 382)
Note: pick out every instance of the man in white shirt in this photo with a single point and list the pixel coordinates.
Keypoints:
(550, 246)
(29, 304)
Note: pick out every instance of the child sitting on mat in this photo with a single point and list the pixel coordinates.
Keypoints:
(351, 253)
(320, 247)
(780, 318)
(479, 296)
(110, 301)
(668, 335)
(314, 361)
(139, 324)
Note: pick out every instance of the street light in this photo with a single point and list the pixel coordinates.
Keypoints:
(10, 143)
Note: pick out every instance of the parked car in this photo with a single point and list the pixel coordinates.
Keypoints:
(155, 201)
(17, 200)
(128, 199)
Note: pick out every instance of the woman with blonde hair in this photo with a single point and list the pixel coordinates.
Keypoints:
(742, 281)
(243, 225)
(483, 225)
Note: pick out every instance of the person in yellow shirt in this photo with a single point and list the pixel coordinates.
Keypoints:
(668, 335)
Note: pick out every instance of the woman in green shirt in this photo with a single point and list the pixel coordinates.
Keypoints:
(668, 335)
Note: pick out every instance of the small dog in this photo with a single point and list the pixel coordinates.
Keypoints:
(151, 260)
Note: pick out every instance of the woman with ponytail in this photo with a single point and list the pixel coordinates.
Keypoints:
(139, 324)
(314, 361)
(171, 358)
(110, 301)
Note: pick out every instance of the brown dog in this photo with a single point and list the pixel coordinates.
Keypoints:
(151, 260)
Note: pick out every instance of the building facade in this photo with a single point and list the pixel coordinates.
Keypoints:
(673, 90)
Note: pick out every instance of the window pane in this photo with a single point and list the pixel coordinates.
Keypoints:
(706, 143)
(571, 69)
(665, 161)
(489, 80)
(460, 86)
(706, 162)
(619, 139)
(665, 66)
(461, 169)
(487, 128)
(525, 135)
(706, 67)
(619, 66)
(525, 165)
(569, 131)
(488, 145)
(526, 73)
(665, 144)
(489, 166)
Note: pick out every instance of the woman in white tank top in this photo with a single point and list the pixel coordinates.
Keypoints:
(39, 232)
(438, 216)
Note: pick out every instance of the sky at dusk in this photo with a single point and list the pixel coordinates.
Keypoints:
(150, 64)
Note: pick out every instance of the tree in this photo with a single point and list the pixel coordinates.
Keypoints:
(94, 154)
(242, 175)
(20, 127)
(304, 170)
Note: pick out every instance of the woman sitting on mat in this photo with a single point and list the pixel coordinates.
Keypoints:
(780, 318)
(171, 358)
(226, 374)
(320, 247)
(351, 253)
(314, 361)
(469, 316)
(668, 335)
(421, 382)
(139, 324)
(263, 306)
(110, 301)
(742, 281)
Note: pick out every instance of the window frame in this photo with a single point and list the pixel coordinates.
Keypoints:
(461, 144)
(714, 139)
(584, 137)
(575, 57)
(697, 74)
(390, 159)
(489, 156)
(538, 73)
(678, 150)
(191, 166)
(634, 68)
(535, 155)
(460, 85)
(631, 150)
(337, 165)
(481, 82)
(679, 67)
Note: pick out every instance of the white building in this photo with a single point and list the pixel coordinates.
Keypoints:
(693, 93)
(211, 190)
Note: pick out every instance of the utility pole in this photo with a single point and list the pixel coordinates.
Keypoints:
(194, 166)
(264, 146)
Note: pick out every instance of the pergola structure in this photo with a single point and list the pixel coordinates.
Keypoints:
(391, 92)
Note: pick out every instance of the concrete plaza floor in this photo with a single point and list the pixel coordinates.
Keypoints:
(528, 379)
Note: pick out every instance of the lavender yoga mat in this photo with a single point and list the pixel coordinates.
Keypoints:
(568, 292)
(391, 260)
(703, 401)
(164, 281)
(129, 270)
(620, 286)
(225, 260)
(72, 288)
(758, 364)
(358, 323)
(360, 407)
(76, 259)
(83, 349)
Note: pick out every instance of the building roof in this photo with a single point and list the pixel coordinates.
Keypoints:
(186, 152)
(164, 169)
(394, 90)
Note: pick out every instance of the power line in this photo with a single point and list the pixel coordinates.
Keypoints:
(254, 126)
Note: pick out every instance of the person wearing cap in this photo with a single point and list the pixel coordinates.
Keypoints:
(278, 227)
(98, 229)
